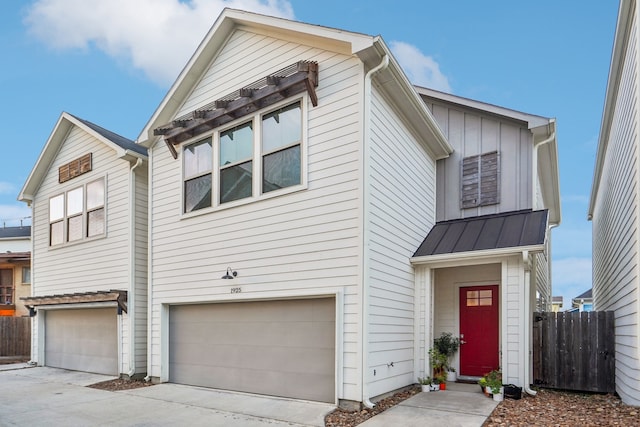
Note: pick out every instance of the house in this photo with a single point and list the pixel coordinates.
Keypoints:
(15, 269)
(88, 195)
(583, 302)
(316, 219)
(613, 207)
(556, 303)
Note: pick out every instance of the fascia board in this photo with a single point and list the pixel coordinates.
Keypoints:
(397, 87)
(474, 257)
(619, 43)
(548, 168)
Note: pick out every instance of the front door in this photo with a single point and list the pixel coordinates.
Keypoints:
(479, 330)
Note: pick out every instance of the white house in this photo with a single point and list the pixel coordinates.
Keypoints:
(87, 192)
(295, 179)
(613, 207)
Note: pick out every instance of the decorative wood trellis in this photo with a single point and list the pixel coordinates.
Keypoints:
(574, 351)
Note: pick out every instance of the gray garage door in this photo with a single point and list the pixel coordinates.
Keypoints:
(82, 340)
(278, 348)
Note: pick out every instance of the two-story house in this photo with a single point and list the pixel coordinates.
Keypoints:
(296, 179)
(88, 195)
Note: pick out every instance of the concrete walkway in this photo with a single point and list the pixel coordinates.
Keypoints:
(459, 405)
(53, 397)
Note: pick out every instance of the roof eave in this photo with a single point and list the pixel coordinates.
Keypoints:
(475, 256)
(549, 170)
(619, 42)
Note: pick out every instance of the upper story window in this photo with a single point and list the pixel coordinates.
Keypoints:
(26, 275)
(77, 214)
(6, 286)
(480, 180)
(255, 157)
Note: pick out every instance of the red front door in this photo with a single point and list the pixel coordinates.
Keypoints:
(479, 330)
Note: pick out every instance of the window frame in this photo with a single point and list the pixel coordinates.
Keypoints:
(84, 214)
(28, 276)
(12, 287)
(257, 192)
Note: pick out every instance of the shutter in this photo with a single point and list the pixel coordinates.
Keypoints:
(480, 180)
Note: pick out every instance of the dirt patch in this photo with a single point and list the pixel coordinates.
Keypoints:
(120, 384)
(342, 418)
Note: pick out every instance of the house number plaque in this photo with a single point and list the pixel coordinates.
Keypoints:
(236, 290)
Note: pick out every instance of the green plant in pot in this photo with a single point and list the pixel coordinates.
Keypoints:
(438, 362)
(494, 381)
(447, 345)
(425, 383)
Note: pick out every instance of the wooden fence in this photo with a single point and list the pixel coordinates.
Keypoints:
(574, 351)
(15, 336)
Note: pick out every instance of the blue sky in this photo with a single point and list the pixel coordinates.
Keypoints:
(112, 61)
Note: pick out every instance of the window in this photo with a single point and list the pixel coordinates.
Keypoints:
(478, 298)
(6, 286)
(26, 275)
(480, 180)
(77, 214)
(255, 157)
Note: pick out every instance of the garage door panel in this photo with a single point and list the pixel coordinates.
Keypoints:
(82, 340)
(268, 347)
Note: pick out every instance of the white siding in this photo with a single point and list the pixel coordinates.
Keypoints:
(92, 265)
(141, 236)
(471, 133)
(513, 313)
(615, 226)
(301, 242)
(402, 211)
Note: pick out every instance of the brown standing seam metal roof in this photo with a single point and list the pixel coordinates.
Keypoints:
(504, 230)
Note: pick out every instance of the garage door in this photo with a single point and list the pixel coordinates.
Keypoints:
(82, 340)
(278, 348)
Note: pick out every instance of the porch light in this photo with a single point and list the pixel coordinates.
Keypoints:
(230, 274)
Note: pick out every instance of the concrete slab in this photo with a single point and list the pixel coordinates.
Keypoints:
(460, 405)
(54, 398)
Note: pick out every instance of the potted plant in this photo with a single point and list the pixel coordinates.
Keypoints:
(483, 385)
(494, 384)
(438, 362)
(448, 345)
(425, 384)
(442, 380)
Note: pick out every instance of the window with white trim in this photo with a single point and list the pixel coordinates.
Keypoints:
(252, 158)
(77, 214)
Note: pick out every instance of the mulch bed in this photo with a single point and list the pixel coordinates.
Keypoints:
(342, 418)
(120, 384)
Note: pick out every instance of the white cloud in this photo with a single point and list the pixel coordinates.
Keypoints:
(155, 36)
(422, 70)
(11, 215)
(571, 277)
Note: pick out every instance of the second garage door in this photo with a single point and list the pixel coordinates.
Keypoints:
(279, 348)
(82, 340)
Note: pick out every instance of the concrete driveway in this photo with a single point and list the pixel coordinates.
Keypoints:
(52, 397)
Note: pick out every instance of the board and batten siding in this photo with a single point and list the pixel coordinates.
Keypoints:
(141, 236)
(90, 265)
(303, 242)
(471, 133)
(615, 225)
(401, 213)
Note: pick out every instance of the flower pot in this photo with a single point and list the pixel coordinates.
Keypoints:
(425, 387)
(443, 386)
(451, 376)
(499, 397)
(435, 387)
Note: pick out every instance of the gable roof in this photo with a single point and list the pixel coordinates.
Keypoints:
(516, 230)
(369, 49)
(585, 294)
(124, 148)
(23, 232)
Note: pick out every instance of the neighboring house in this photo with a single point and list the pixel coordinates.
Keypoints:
(583, 302)
(296, 178)
(88, 195)
(15, 269)
(614, 205)
(556, 303)
(485, 267)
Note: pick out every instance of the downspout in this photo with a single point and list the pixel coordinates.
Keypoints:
(527, 321)
(149, 261)
(132, 267)
(366, 228)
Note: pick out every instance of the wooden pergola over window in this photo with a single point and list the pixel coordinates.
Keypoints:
(280, 85)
